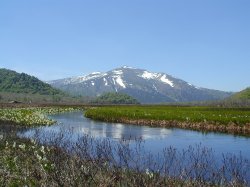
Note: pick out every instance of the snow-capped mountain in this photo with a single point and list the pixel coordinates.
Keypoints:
(145, 86)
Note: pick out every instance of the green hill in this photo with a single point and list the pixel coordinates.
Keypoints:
(115, 98)
(242, 95)
(11, 81)
(25, 88)
(239, 99)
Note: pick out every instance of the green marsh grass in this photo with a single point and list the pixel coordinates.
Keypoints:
(222, 116)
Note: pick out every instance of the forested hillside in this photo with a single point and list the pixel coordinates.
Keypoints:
(242, 95)
(11, 81)
(115, 98)
(22, 87)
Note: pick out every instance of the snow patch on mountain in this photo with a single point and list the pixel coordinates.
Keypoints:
(194, 86)
(94, 73)
(105, 81)
(155, 88)
(117, 72)
(114, 82)
(167, 81)
(149, 75)
(157, 76)
(117, 79)
(120, 82)
(81, 79)
(73, 80)
(128, 67)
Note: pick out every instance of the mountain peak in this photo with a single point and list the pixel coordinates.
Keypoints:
(126, 67)
(146, 86)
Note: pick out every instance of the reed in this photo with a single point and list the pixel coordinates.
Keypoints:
(92, 162)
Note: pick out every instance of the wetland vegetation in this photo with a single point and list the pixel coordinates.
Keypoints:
(93, 162)
(231, 120)
(34, 116)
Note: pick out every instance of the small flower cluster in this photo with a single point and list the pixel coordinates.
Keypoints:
(55, 110)
(27, 117)
(14, 152)
(40, 154)
(31, 116)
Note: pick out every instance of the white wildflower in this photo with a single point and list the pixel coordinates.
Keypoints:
(42, 150)
(33, 141)
(44, 158)
(150, 174)
(15, 159)
(39, 157)
(22, 146)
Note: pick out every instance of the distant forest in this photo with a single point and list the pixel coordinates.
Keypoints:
(115, 98)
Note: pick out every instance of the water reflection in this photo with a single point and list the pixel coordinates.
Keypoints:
(79, 126)
(172, 148)
(156, 139)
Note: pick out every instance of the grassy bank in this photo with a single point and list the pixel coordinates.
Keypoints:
(231, 120)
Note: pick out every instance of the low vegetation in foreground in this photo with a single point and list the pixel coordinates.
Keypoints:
(200, 118)
(104, 163)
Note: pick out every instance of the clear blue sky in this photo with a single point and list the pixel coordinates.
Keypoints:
(205, 42)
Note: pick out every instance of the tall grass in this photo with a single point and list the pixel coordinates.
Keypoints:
(93, 162)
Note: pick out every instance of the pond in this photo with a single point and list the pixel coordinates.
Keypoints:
(154, 139)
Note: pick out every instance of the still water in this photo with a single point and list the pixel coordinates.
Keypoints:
(155, 139)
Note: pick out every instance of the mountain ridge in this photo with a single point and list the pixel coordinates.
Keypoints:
(145, 86)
